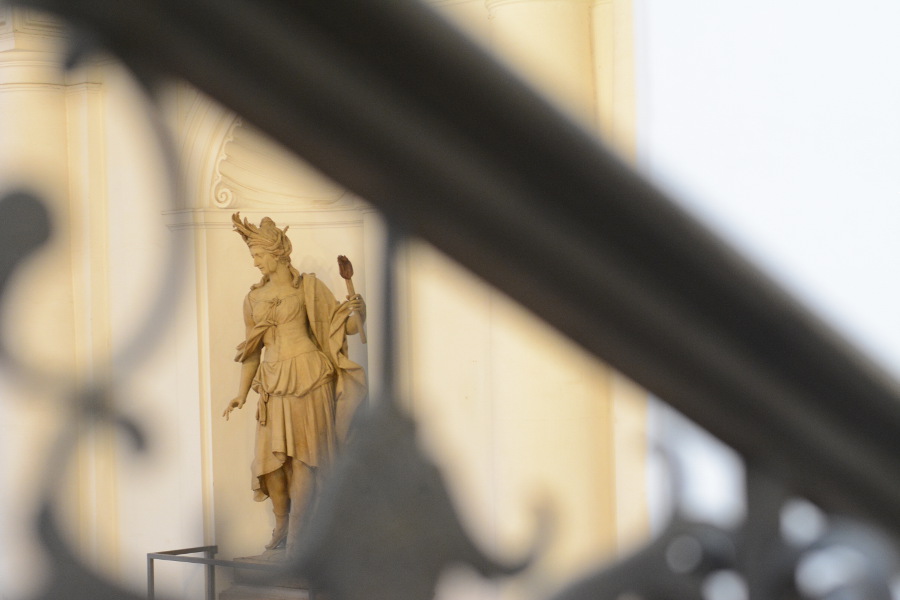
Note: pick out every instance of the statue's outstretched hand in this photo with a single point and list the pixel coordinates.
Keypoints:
(237, 402)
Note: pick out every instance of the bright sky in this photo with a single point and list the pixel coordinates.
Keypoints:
(778, 123)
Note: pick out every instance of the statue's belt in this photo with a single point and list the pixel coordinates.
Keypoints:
(263, 405)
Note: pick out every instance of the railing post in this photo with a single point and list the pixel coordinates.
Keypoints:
(210, 575)
(151, 591)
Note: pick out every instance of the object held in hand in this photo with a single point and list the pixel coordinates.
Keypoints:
(346, 269)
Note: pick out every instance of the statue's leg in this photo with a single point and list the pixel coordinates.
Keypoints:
(277, 486)
(302, 490)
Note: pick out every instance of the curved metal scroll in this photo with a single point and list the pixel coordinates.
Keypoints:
(387, 528)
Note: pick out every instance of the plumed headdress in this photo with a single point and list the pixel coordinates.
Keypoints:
(270, 238)
(267, 235)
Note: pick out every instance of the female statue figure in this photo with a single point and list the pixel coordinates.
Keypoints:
(308, 387)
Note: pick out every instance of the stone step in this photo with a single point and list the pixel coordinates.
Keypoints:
(244, 591)
(252, 576)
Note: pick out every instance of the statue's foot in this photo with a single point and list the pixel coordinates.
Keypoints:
(279, 535)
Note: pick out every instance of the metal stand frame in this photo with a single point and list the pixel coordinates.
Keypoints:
(208, 559)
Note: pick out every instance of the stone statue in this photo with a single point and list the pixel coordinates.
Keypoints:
(295, 357)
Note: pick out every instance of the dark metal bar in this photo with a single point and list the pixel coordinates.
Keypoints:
(211, 563)
(210, 574)
(204, 549)
(390, 101)
(216, 562)
(151, 579)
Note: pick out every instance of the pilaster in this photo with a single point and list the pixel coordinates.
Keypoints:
(97, 499)
(613, 48)
(549, 42)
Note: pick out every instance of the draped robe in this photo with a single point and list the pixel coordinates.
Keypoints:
(308, 393)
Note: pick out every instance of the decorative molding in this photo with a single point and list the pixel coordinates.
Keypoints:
(30, 87)
(222, 195)
(29, 29)
(304, 218)
(251, 170)
(202, 128)
(38, 23)
(85, 87)
(228, 165)
(31, 68)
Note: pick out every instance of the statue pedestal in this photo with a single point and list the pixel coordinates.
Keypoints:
(254, 584)
(260, 592)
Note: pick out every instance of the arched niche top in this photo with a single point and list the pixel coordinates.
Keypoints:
(252, 170)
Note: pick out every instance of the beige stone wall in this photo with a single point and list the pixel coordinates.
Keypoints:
(514, 413)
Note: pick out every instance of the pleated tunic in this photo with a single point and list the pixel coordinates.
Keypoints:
(303, 375)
